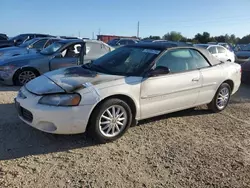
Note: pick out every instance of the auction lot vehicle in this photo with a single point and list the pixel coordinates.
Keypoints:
(245, 78)
(219, 52)
(19, 70)
(243, 55)
(30, 46)
(116, 43)
(19, 39)
(131, 83)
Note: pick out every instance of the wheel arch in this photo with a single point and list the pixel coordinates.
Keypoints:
(230, 83)
(25, 68)
(123, 97)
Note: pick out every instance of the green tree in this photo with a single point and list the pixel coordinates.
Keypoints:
(245, 40)
(202, 38)
(153, 37)
(173, 36)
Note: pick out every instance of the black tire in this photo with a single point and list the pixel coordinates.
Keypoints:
(18, 81)
(213, 105)
(94, 130)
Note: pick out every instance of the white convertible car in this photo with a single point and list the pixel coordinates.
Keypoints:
(131, 83)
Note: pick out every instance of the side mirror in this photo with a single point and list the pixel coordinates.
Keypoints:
(30, 46)
(59, 55)
(118, 44)
(159, 71)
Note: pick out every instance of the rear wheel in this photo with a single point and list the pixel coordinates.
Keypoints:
(24, 76)
(110, 120)
(221, 98)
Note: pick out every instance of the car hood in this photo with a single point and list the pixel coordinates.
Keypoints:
(68, 80)
(22, 58)
(9, 49)
(243, 53)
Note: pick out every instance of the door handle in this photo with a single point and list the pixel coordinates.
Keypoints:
(195, 79)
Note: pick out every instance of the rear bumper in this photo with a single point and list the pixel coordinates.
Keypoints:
(240, 61)
(245, 77)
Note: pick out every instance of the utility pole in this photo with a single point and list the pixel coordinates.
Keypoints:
(79, 34)
(99, 31)
(93, 35)
(138, 29)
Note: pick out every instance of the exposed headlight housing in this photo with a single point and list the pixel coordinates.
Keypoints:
(7, 68)
(61, 100)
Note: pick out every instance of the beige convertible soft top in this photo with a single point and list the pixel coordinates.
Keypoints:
(212, 60)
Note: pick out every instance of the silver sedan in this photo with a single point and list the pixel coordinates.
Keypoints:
(131, 83)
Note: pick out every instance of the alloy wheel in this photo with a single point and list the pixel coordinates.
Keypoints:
(113, 121)
(223, 98)
(25, 76)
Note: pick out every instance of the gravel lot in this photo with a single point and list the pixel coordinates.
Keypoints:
(192, 148)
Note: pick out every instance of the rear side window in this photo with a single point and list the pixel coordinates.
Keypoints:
(123, 42)
(182, 60)
(221, 49)
(212, 50)
(198, 60)
(130, 42)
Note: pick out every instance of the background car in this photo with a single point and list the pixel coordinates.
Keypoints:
(239, 47)
(19, 70)
(152, 40)
(245, 77)
(219, 52)
(226, 45)
(3, 37)
(121, 42)
(131, 83)
(19, 39)
(68, 37)
(30, 46)
(243, 55)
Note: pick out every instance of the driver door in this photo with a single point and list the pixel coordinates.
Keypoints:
(174, 91)
(68, 57)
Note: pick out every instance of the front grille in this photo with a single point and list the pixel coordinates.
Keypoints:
(26, 114)
(22, 112)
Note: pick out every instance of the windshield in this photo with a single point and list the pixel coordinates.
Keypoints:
(246, 48)
(52, 48)
(126, 61)
(113, 42)
(29, 42)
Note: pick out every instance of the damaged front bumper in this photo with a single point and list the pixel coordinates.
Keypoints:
(52, 119)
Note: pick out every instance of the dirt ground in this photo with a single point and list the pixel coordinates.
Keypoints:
(192, 148)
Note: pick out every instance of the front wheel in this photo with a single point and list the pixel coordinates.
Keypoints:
(110, 120)
(24, 76)
(221, 98)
